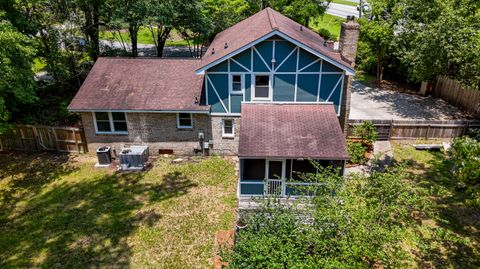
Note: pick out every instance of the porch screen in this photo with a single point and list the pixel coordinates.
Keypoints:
(253, 169)
(301, 167)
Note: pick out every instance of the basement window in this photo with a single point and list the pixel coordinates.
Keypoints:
(184, 120)
(228, 128)
(110, 122)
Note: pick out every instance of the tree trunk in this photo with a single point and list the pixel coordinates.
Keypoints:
(380, 67)
(133, 32)
(91, 28)
(162, 37)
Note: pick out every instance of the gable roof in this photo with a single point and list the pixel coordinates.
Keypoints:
(141, 84)
(261, 26)
(291, 131)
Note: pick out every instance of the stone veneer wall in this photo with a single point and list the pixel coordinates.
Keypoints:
(159, 131)
(225, 145)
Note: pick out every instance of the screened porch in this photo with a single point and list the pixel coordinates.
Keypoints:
(281, 177)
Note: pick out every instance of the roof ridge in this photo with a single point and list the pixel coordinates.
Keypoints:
(271, 18)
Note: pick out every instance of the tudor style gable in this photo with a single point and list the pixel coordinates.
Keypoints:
(274, 70)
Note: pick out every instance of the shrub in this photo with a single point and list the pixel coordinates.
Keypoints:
(352, 224)
(465, 154)
(326, 34)
(356, 152)
(367, 132)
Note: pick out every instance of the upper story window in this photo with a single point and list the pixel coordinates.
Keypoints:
(262, 87)
(184, 120)
(110, 122)
(237, 84)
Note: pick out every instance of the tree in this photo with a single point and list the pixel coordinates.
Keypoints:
(93, 12)
(131, 14)
(166, 15)
(441, 38)
(377, 34)
(17, 84)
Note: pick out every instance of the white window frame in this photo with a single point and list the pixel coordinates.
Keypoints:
(223, 128)
(110, 120)
(242, 82)
(270, 87)
(184, 126)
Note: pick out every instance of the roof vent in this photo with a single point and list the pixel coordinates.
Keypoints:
(196, 100)
(226, 45)
(213, 50)
(301, 28)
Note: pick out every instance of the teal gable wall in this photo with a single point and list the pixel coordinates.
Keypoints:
(296, 76)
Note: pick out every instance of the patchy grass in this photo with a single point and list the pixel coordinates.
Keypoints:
(58, 211)
(448, 231)
(328, 22)
(345, 2)
(144, 37)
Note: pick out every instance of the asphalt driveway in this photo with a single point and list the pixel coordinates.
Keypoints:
(374, 103)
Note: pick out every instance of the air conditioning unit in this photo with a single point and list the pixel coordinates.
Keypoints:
(133, 158)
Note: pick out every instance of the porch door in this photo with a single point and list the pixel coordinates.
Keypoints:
(275, 174)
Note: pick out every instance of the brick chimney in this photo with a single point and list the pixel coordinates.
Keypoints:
(350, 31)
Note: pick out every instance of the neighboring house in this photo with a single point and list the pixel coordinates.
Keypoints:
(267, 89)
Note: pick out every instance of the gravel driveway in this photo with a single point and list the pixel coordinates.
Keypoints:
(374, 103)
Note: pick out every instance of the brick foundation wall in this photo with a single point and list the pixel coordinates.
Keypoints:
(159, 131)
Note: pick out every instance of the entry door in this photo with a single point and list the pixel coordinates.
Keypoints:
(275, 174)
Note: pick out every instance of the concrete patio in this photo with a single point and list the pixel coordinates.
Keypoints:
(378, 104)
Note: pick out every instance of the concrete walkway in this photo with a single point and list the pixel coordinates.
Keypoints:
(374, 103)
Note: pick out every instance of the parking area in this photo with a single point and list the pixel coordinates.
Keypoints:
(373, 103)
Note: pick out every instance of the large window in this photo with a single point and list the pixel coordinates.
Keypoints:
(262, 87)
(228, 128)
(110, 122)
(236, 84)
(184, 120)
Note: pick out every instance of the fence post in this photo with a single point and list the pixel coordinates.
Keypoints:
(55, 140)
(76, 142)
(35, 138)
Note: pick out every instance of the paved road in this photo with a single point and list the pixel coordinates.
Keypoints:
(149, 50)
(342, 10)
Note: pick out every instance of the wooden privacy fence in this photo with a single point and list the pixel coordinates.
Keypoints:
(467, 98)
(418, 129)
(43, 138)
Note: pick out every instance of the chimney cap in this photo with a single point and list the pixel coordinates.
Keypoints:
(350, 18)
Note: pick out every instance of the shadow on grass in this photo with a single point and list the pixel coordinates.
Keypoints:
(455, 234)
(75, 223)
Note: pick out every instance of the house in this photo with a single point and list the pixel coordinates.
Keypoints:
(267, 89)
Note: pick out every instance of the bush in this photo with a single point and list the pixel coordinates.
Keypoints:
(465, 154)
(352, 224)
(367, 132)
(326, 34)
(356, 152)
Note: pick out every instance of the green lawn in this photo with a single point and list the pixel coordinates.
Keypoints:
(328, 22)
(58, 211)
(144, 37)
(345, 2)
(447, 234)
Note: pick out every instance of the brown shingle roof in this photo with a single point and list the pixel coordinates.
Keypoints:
(261, 24)
(291, 131)
(151, 84)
